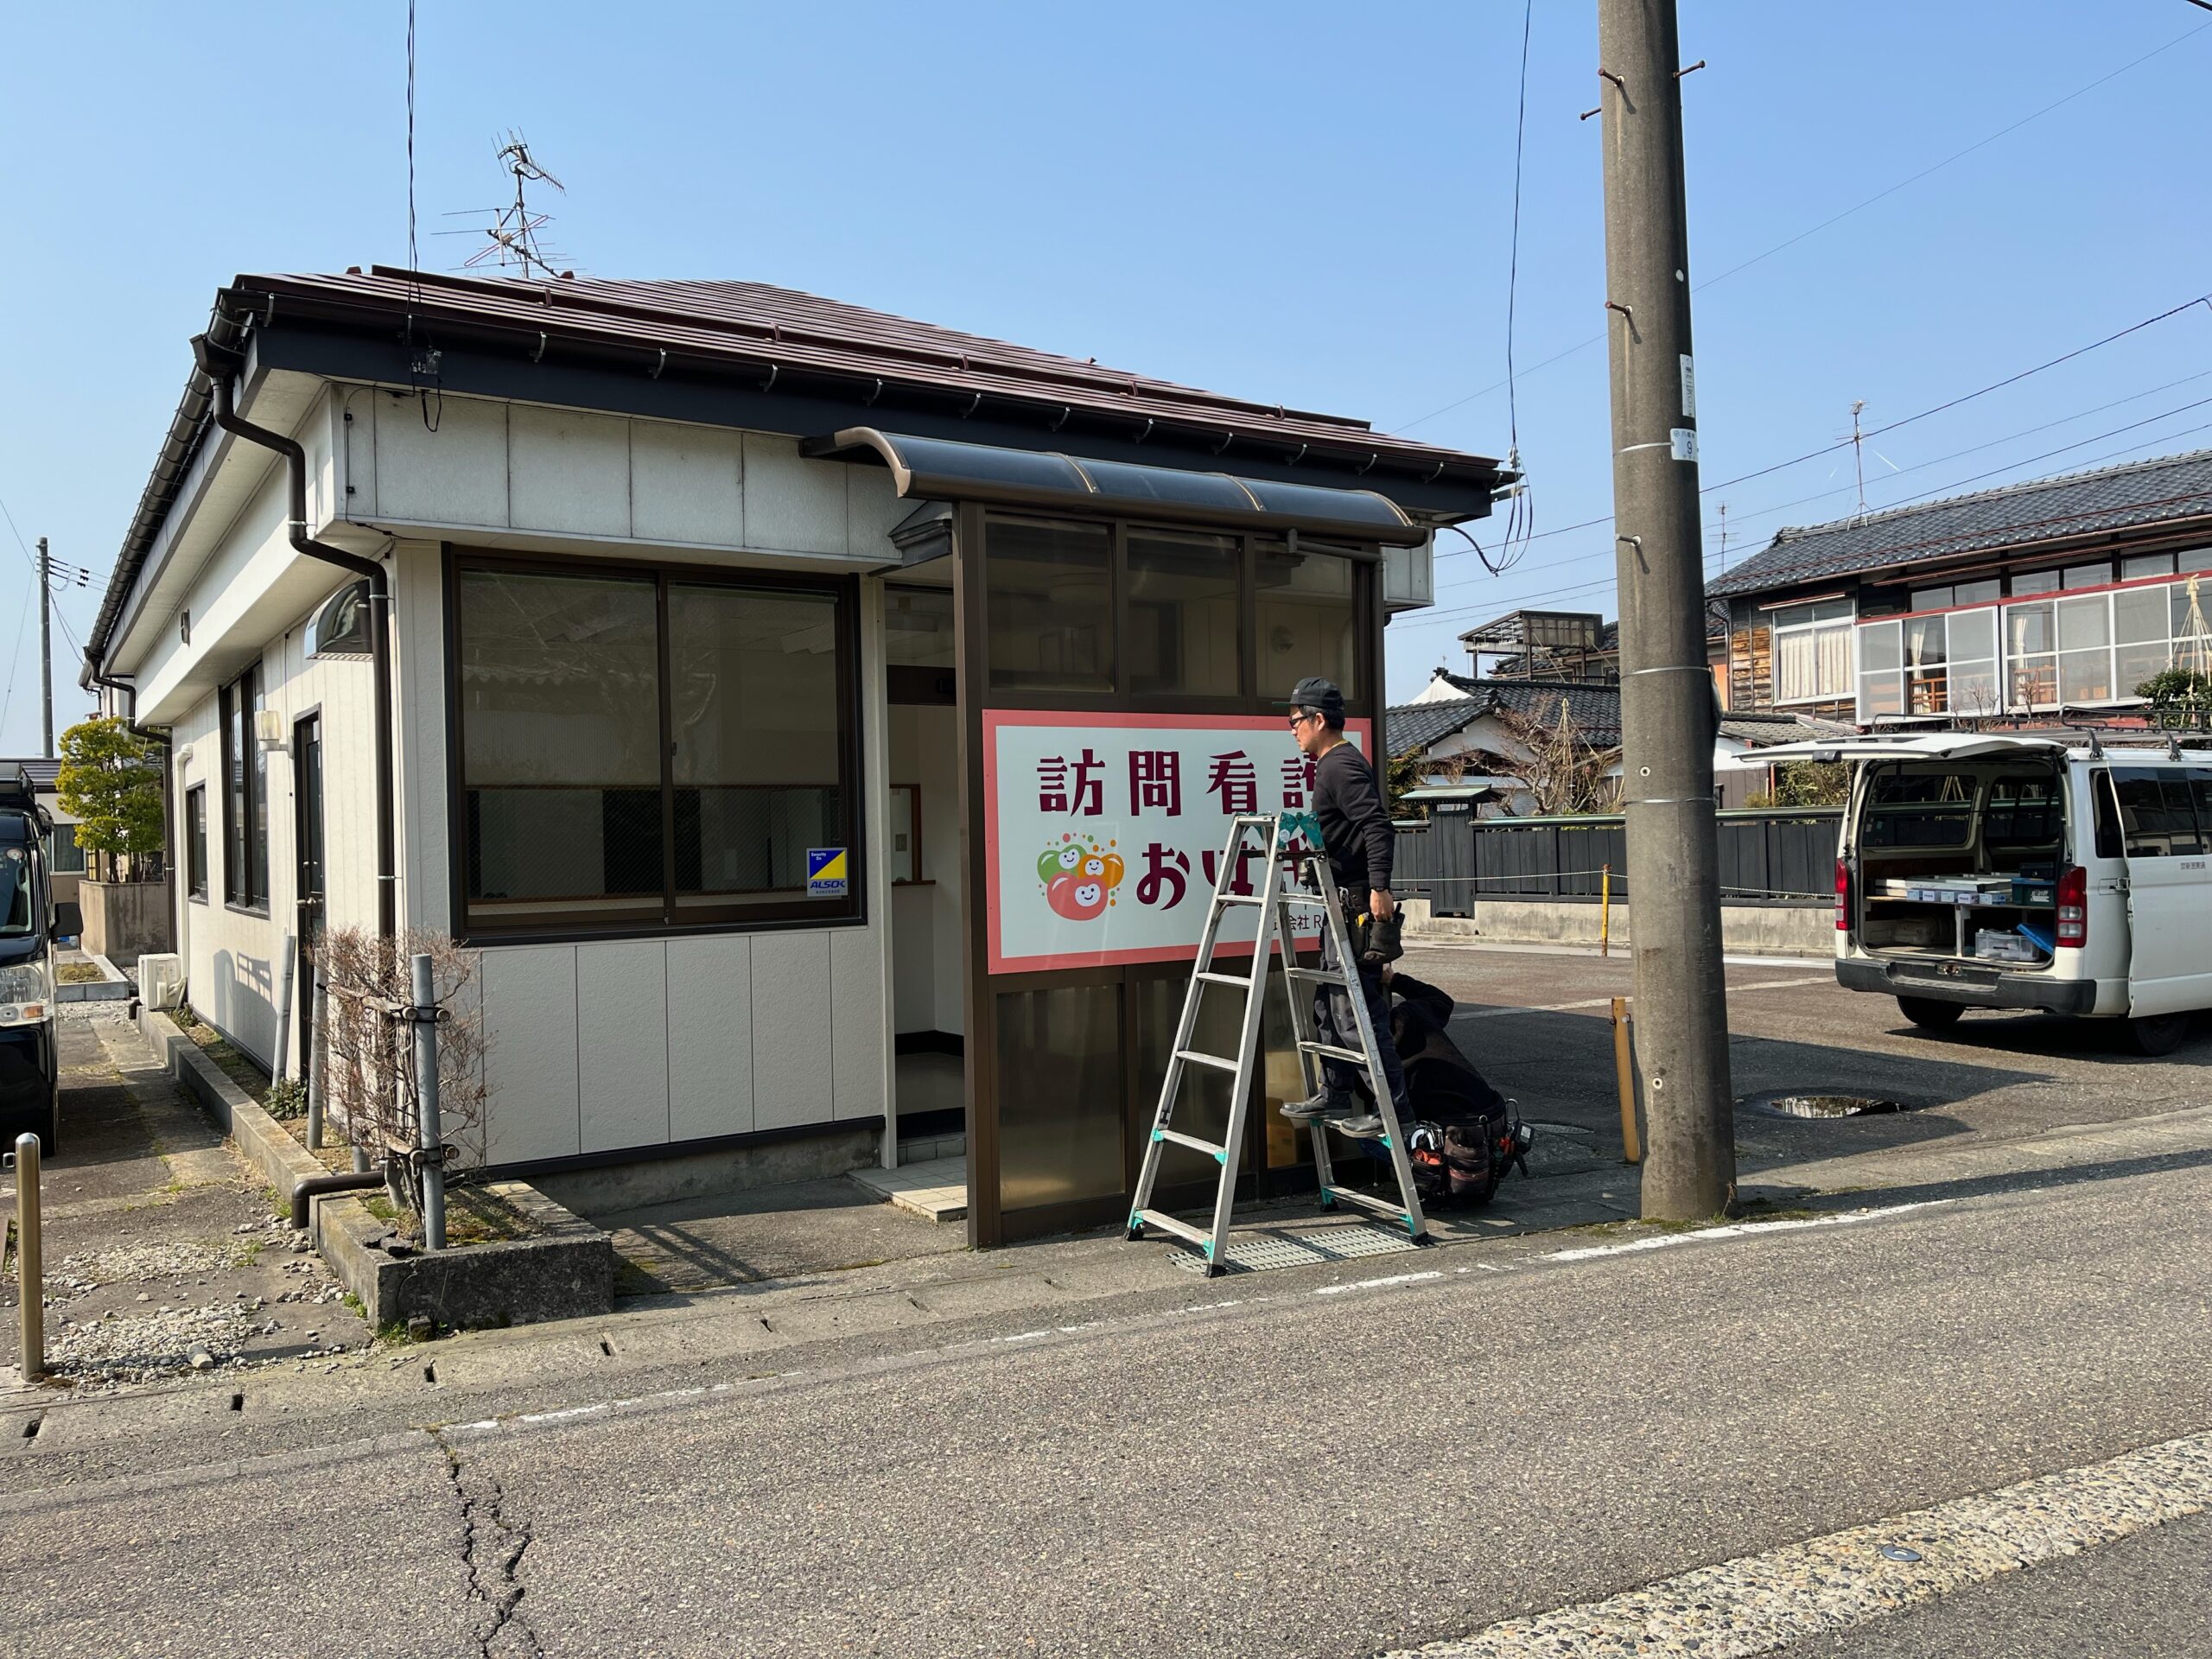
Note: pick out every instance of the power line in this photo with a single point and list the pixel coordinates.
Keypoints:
(1603, 582)
(1838, 218)
(1921, 466)
(1949, 404)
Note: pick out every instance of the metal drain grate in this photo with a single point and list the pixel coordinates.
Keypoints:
(1261, 1252)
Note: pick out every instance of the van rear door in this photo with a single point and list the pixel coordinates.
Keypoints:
(2169, 886)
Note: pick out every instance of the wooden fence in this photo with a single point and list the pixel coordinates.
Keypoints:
(1784, 856)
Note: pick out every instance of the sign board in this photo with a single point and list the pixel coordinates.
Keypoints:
(825, 872)
(1104, 833)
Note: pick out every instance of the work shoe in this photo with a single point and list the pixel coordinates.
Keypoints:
(1358, 1128)
(1329, 1104)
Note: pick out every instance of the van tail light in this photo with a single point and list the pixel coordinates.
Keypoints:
(2074, 907)
(1842, 897)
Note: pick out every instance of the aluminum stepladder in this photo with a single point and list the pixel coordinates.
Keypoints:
(1293, 843)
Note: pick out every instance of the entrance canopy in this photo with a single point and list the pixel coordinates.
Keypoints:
(940, 469)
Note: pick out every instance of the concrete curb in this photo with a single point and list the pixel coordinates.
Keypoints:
(565, 1270)
(111, 986)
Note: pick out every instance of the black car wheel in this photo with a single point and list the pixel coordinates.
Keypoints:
(1929, 1014)
(2157, 1033)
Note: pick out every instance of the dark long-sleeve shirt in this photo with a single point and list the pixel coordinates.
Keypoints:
(1355, 825)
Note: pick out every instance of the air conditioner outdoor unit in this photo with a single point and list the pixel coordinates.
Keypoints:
(161, 982)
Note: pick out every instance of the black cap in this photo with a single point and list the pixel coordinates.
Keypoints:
(1314, 692)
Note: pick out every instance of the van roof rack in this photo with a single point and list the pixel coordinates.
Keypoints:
(17, 793)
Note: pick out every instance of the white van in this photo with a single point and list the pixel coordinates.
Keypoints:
(1980, 871)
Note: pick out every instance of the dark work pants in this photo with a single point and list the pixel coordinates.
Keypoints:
(1333, 1019)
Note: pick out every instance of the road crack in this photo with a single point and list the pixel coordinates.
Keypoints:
(492, 1544)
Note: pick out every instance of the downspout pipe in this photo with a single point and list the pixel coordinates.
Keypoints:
(221, 365)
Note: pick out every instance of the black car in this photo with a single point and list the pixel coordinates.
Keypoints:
(30, 1059)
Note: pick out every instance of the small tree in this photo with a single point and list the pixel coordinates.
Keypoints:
(2179, 696)
(1400, 773)
(110, 783)
(1807, 783)
(1562, 768)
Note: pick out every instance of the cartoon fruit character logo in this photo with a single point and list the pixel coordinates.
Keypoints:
(1079, 877)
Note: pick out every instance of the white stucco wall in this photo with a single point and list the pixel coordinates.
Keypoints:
(233, 958)
(594, 1046)
(549, 474)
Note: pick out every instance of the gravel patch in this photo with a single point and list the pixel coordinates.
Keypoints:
(1761, 1602)
(139, 1262)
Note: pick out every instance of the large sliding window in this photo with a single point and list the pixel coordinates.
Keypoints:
(647, 748)
(1812, 651)
(245, 795)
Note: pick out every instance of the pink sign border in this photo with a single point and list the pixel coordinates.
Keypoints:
(996, 963)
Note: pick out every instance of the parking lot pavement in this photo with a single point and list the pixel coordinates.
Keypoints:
(164, 1253)
(1538, 1025)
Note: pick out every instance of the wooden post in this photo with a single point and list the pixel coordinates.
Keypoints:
(1605, 910)
(1624, 1073)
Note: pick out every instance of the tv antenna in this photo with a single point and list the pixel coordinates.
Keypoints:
(1858, 442)
(512, 237)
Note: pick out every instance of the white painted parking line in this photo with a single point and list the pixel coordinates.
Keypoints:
(1607, 1001)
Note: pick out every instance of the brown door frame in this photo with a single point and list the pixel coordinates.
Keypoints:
(986, 1228)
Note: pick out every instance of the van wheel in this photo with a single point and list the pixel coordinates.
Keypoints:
(1929, 1014)
(2157, 1033)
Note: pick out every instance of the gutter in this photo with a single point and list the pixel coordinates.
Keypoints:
(221, 365)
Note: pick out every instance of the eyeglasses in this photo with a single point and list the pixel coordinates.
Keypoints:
(1297, 720)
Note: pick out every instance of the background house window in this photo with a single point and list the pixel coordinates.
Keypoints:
(67, 857)
(195, 840)
(1812, 651)
(599, 793)
(2034, 581)
(1943, 665)
(245, 795)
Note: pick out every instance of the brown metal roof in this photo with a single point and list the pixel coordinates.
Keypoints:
(759, 323)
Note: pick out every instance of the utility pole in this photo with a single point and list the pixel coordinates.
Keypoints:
(46, 644)
(1666, 694)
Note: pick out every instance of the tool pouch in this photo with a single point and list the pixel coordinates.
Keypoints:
(1375, 940)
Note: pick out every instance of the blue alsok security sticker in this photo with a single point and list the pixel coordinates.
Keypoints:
(825, 872)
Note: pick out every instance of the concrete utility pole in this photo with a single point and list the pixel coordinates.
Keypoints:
(46, 645)
(1666, 700)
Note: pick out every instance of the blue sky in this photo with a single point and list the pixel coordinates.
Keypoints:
(1293, 201)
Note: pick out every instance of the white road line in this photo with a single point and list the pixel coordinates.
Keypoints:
(1738, 1230)
(1375, 1284)
(1757, 1603)
(1607, 1002)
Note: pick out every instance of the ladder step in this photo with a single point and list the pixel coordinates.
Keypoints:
(1213, 1150)
(1316, 975)
(1168, 1224)
(1330, 1050)
(1237, 979)
(1367, 1201)
(1213, 1060)
(1238, 899)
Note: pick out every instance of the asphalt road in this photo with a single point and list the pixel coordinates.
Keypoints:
(1321, 1472)
(2148, 1596)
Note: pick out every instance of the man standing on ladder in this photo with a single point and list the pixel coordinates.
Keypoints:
(1357, 835)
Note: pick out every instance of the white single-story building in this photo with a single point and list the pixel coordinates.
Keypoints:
(724, 635)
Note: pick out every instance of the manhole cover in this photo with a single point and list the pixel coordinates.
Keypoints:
(1822, 1106)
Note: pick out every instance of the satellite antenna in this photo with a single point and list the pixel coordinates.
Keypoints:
(512, 237)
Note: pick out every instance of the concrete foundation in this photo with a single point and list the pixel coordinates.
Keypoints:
(1745, 930)
(564, 1271)
(740, 1168)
